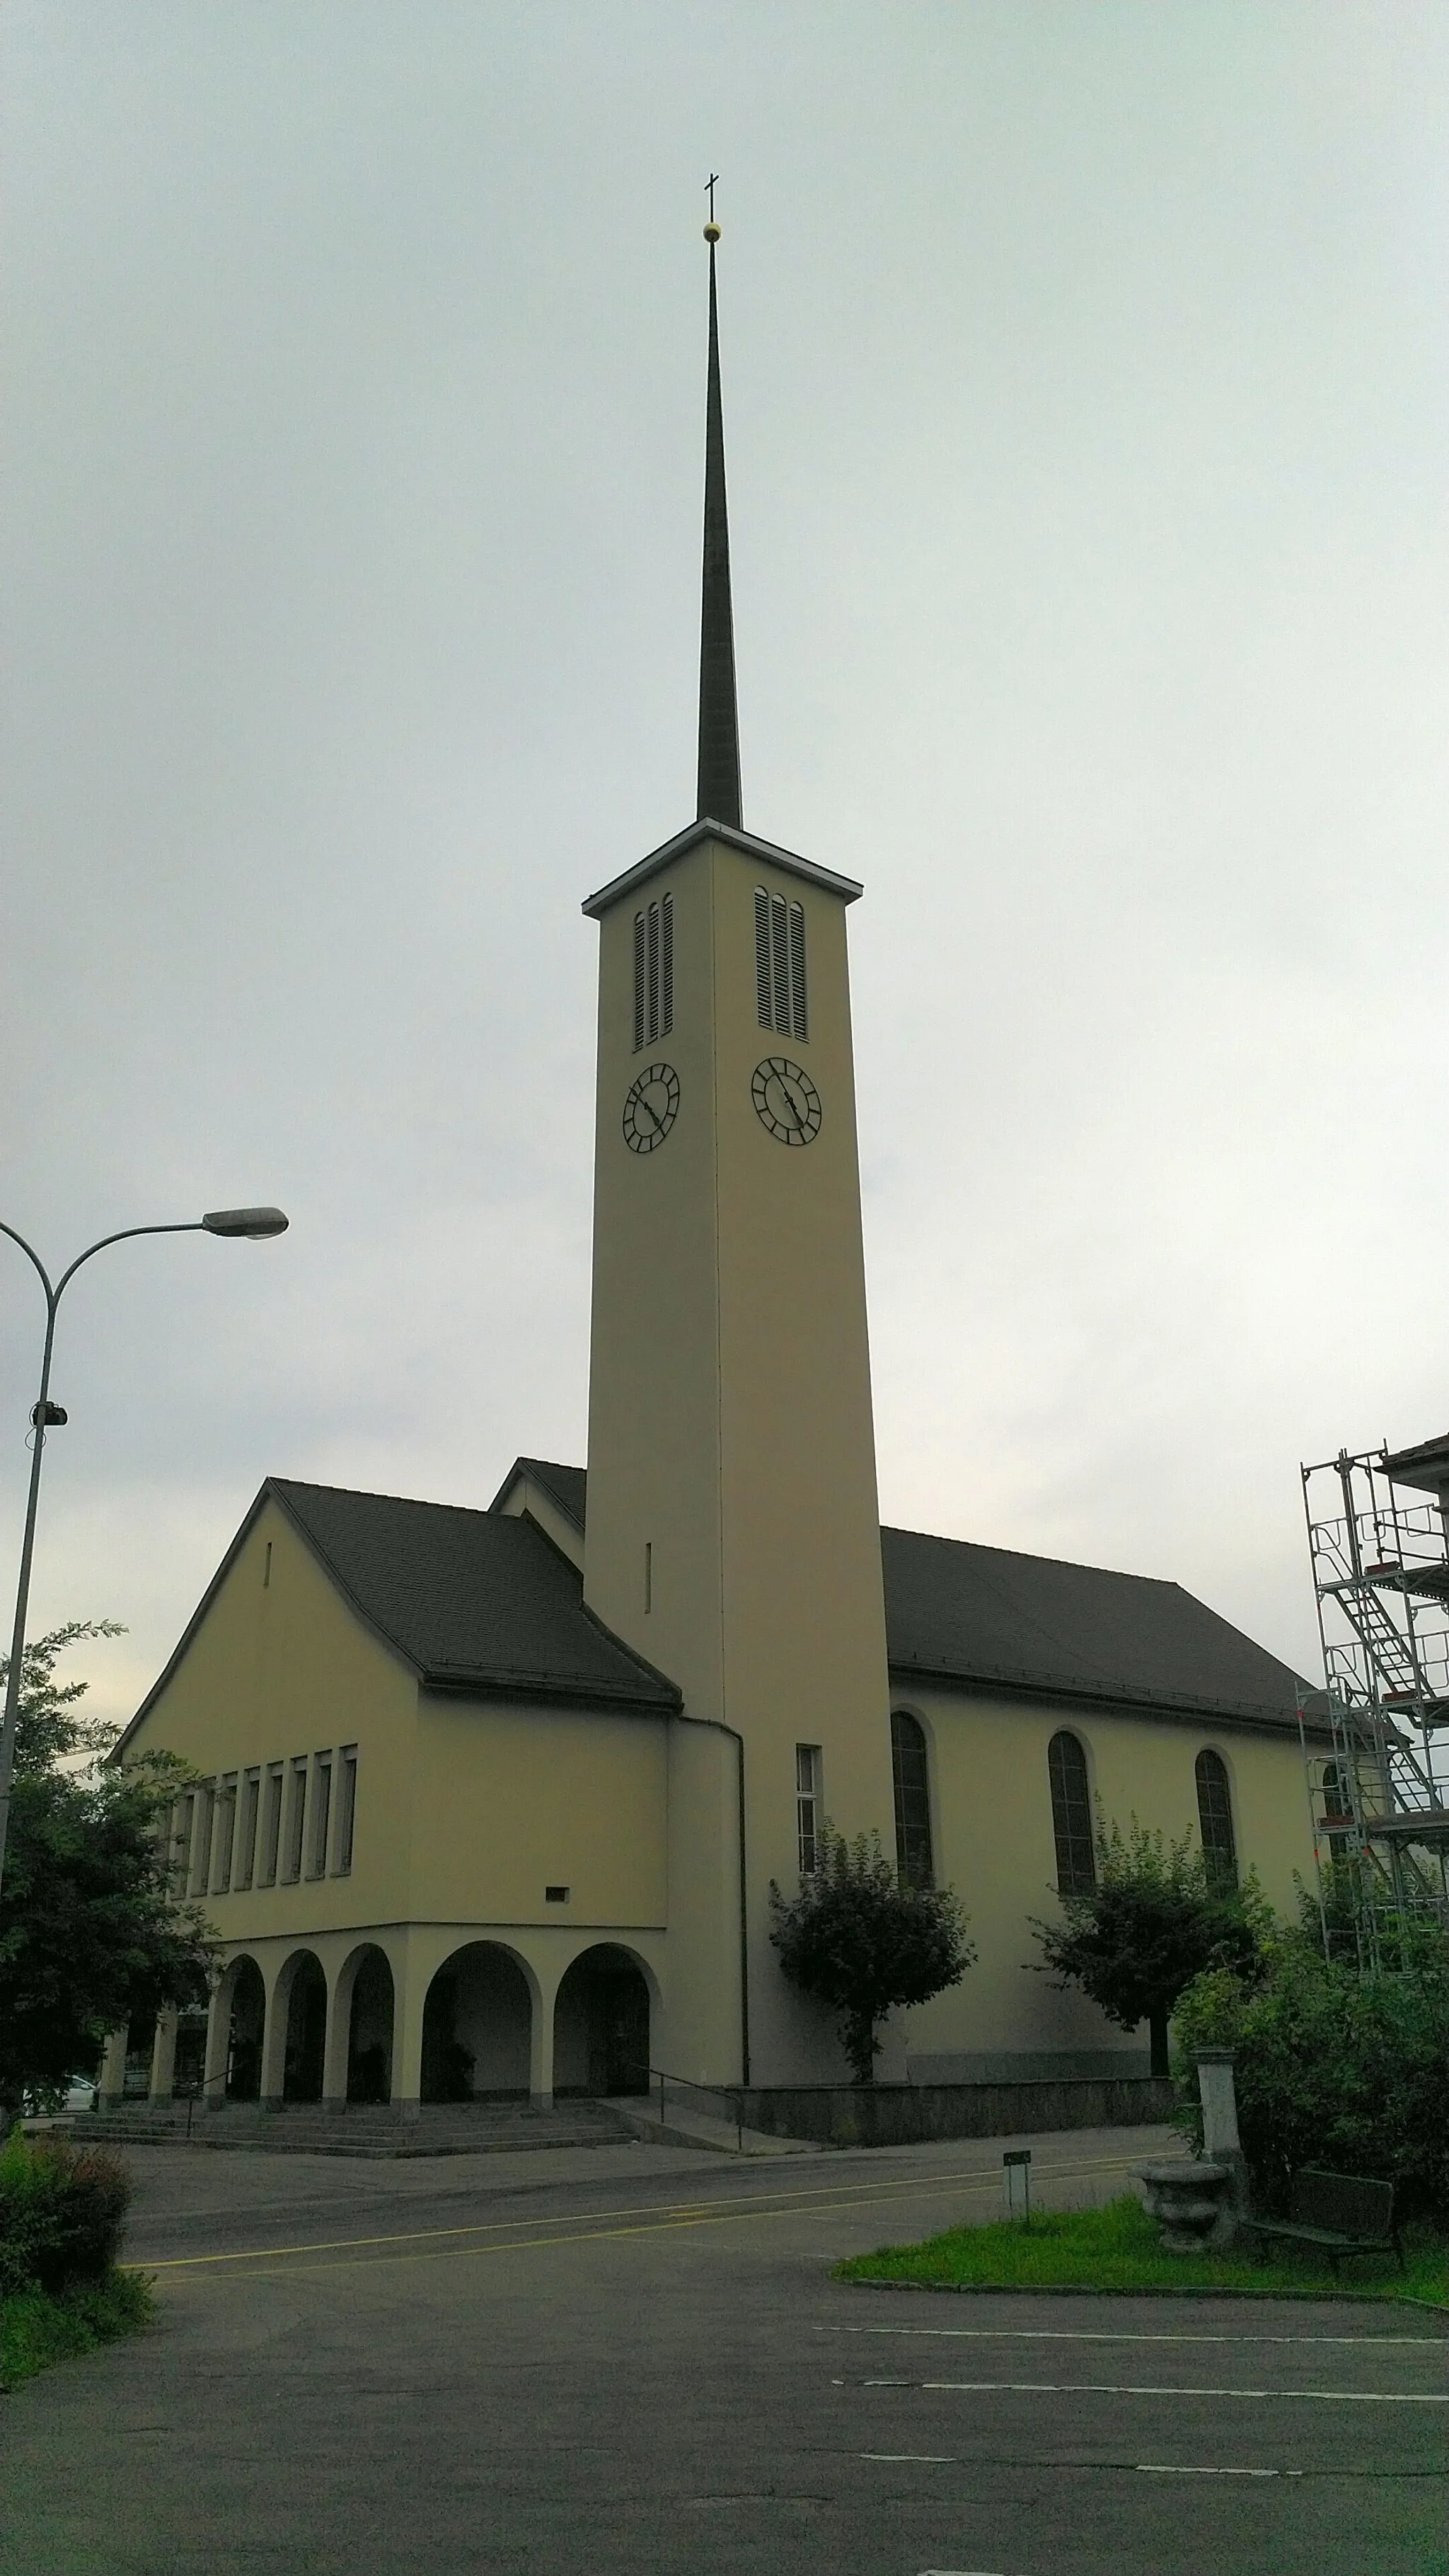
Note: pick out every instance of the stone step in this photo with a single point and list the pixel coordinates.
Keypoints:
(305, 2128)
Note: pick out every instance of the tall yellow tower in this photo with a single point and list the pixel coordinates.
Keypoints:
(733, 1533)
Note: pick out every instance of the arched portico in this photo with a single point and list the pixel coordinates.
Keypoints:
(231, 2067)
(360, 2028)
(603, 2018)
(294, 2049)
(478, 2021)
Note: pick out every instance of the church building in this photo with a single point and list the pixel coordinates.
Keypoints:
(491, 1801)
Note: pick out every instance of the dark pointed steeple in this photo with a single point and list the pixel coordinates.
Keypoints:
(719, 728)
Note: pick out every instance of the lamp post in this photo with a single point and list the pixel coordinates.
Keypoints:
(253, 1225)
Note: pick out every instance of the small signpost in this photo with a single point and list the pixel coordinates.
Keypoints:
(1016, 2176)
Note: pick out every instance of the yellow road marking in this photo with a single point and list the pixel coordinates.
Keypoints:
(671, 2214)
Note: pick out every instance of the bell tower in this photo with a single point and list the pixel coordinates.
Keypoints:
(733, 1533)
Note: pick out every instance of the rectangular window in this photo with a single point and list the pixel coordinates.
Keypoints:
(296, 1816)
(183, 1825)
(271, 1826)
(780, 997)
(223, 1835)
(654, 972)
(321, 1814)
(808, 1814)
(346, 1812)
(246, 1847)
(201, 1848)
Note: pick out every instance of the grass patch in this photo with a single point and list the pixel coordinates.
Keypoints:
(1118, 2248)
(36, 2329)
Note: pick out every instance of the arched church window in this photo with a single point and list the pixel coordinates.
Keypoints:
(653, 972)
(1071, 1816)
(1215, 1819)
(780, 964)
(913, 1800)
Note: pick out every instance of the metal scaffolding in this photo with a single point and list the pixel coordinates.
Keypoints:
(1379, 1795)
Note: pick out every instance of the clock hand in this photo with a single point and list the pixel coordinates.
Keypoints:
(799, 1113)
(642, 1103)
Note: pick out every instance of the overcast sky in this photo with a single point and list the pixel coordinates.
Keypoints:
(1086, 391)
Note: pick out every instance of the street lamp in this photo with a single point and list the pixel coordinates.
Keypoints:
(247, 1225)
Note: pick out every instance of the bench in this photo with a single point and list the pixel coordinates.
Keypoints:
(1338, 2214)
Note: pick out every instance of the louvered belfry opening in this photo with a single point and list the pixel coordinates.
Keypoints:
(653, 972)
(780, 994)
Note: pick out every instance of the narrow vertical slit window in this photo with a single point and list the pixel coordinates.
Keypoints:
(648, 1576)
(321, 1813)
(1215, 1818)
(271, 1826)
(781, 1000)
(346, 1812)
(1071, 1816)
(183, 1827)
(808, 1812)
(246, 1849)
(223, 1837)
(653, 972)
(267, 1567)
(911, 1781)
(201, 1850)
(296, 1817)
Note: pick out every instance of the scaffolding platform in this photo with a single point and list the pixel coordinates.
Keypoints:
(1378, 1537)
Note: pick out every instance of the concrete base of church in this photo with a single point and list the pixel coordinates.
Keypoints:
(898, 2115)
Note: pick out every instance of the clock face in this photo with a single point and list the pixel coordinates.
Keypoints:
(786, 1101)
(651, 1108)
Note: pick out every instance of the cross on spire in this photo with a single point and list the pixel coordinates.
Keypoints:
(719, 729)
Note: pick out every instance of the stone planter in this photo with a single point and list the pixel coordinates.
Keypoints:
(1194, 2202)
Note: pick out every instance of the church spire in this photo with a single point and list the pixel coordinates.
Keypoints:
(719, 729)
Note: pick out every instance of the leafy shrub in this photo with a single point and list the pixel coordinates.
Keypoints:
(861, 1941)
(1153, 1920)
(62, 2210)
(1334, 2068)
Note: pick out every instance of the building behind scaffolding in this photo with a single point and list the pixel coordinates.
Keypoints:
(1379, 1789)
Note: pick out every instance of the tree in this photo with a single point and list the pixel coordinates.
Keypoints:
(860, 1941)
(1337, 2065)
(92, 1932)
(1153, 1921)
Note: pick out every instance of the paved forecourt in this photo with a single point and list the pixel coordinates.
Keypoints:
(640, 2364)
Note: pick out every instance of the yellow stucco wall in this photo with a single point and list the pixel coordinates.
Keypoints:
(279, 1667)
(509, 1801)
(466, 1810)
(992, 1830)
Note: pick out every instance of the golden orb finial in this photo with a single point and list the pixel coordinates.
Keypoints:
(711, 232)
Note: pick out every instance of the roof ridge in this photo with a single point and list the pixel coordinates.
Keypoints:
(370, 1494)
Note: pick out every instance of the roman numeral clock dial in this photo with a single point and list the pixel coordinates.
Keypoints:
(786, 1101)
(651, 1108)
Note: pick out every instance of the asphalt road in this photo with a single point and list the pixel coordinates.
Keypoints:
(632, 2362)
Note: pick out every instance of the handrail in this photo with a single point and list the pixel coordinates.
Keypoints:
(727, 2092)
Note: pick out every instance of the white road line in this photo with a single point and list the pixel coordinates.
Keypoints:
(936, 2459)
(1062, 2334)
(1090, 2388)
(1169, 2469)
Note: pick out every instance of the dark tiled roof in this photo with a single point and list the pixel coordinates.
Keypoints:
(565, 1486)
(962, 1612)
(986, 1614)
(475, 1601)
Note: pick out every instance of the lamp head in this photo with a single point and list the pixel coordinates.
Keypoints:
(247, 1225)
